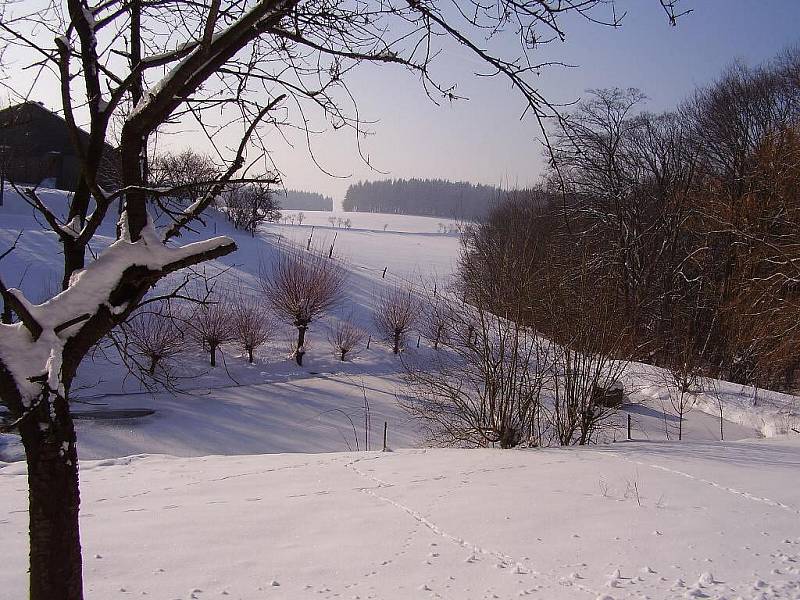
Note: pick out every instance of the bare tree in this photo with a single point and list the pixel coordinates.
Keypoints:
(212, 324)
(345, 336)
(302, 285)
(252, 325)
(226, 65)
(182, 177)
(680, 380)
(154, 334)
(396, 311)
(300, 218)
(711, 387)
(248, 205)
(435, 320)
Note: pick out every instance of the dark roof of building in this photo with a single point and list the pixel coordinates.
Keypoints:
(35, 130)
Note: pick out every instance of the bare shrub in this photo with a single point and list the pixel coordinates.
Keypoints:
(155, 335)
(252, 325)
(248, 205)
(589, 348)
(485, 389)
(435, 321)
(396, 312)
(301, 286)
(345, 336)
(211, 324)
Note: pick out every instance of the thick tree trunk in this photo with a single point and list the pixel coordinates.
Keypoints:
(396, 347)
(54, 500)
(250, 355)
(213, 355)
(301, 340)
(74, 260)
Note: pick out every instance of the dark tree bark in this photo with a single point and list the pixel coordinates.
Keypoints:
(54, 500)
(396, 346)
(301, 340)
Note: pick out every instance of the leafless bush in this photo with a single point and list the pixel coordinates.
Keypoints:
(680, 380)
(396, 312)
(183, 177)
(485, 388)
(248, 205)
(581, 380)
(435, 321)
(211, 324)
(588, 350)
(252, 325)
(301, 286)
(345, 336)
(155, 335)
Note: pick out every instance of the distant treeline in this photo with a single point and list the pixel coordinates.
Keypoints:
(299, 200)
(426, 197)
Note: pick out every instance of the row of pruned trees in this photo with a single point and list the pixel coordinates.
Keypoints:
(297, 288)
(684, 223)
(159, 333)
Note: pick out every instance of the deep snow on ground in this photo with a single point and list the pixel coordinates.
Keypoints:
(236, 408)
(625, 521)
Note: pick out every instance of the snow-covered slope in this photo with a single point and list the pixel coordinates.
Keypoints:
(236, 408)
(275, 406)
(627, 521)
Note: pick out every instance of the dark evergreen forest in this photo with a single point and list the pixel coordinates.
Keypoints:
(426, 197)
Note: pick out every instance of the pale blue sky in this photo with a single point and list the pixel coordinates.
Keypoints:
(483, 141)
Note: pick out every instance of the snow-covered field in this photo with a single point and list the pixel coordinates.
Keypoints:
(628, 521)
(410, 247)
(197, 501)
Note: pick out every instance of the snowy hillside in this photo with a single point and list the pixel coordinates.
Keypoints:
(276, 406)
(272, 406)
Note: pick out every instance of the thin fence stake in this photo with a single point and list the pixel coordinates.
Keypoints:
(629, 426)
(385, 430)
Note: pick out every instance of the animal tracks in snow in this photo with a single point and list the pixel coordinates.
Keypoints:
(477, 552)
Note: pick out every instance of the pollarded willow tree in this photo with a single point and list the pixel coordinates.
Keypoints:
(132, 67)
